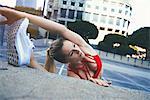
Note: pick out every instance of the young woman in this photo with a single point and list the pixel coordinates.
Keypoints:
(83, 61)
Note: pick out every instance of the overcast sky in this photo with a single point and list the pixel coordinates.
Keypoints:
(140, 14)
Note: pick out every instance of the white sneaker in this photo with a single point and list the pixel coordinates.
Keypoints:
(18, 43)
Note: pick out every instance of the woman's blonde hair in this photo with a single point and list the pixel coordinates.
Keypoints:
(55, 51)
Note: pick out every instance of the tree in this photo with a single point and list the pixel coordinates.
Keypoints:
(86, 29)
(115, 43)
(141, 38)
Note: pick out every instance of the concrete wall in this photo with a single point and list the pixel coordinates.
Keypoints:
(125, 60)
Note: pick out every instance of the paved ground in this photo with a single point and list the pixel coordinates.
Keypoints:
(120, 74)
(18, 83)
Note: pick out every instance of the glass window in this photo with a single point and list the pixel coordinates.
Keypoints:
(120, 11)
(104, 8)
(72, 3)
(86, 16)
(55, 14)
(124, 22)
(118, 21)
(128, 24)
(71, 14)
(88, 6)
(130, 9)
(62, 22)
(102, 28)
(79, 14)
(95, 17)
(121, 4)
(111, 20)
(123, 32)
(126, 6)
(116, 30)
(103, 19)
(63, 12)
(50, 6)
(112, 10)
(126, 12)
(97, 7)
(109, 29)
(64, 2)
(80, 4)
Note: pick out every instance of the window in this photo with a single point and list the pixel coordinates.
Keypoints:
(130, 9)
(117, 31)
(109, 29)
(86, 16)
(64, 2)
(72, 3)
(118, 21)
(126, 12)
(111, 20)
(126, 6)
(55, 14)
(123, 32)
(104, 8)
(95, 17)
(121, 4)
(112, 10)
(103, 19)
(128, 24)
(120, 11)
(62, 22)
(80, 4)
(79, 14)
(102, 28)
(97, 7)
(71, 14)
(124, 22)
(63, 12)
(105, 1)
(50, 6)
(88, 6)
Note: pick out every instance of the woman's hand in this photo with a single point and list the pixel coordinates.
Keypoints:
(99, 82)
(10, 14)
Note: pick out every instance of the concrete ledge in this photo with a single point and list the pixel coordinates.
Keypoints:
(18, 83)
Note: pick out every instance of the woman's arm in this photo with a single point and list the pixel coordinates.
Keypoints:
(13, 15)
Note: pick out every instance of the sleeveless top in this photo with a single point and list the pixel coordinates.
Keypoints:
(85, 68)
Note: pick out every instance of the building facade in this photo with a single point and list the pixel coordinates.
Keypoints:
(36, 4)
(110, 16)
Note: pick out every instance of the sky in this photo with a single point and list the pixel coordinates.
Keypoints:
(140, 15)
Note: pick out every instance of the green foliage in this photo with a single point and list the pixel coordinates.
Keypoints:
(115, 38)
(85, 29)
(140, 37)
(110, 40)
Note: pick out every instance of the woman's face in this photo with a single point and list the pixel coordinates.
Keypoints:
(72, 51)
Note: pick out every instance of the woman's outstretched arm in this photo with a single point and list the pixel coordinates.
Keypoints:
(13, 15)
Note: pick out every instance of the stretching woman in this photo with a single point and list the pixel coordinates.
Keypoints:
(83, 61)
